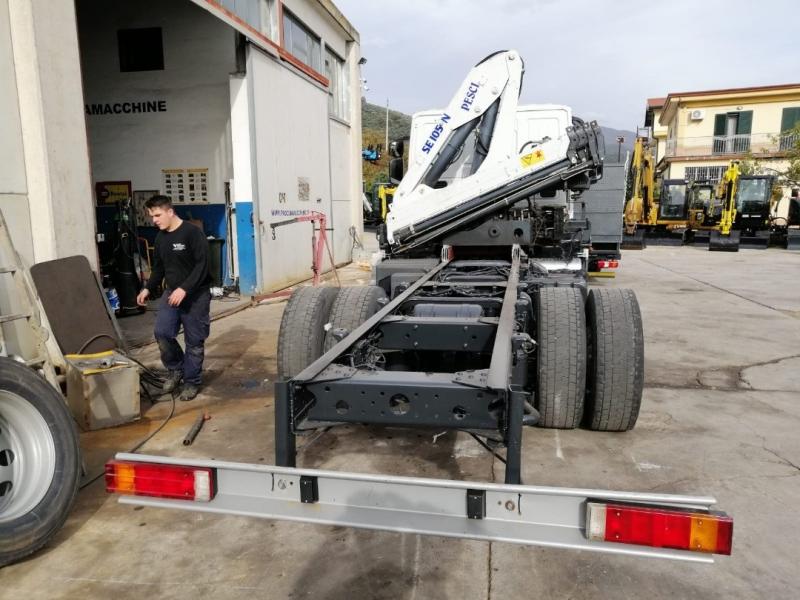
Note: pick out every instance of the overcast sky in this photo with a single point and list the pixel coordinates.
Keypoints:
(602, 57)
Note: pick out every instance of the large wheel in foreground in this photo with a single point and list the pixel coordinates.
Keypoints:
(352, 307)
(302, 334)
(560, 357)
(616, 360)
(39, 461)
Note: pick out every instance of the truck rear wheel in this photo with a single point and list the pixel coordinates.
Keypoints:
(302, 333)
(616, 360)
(352, 307)
(560, 357)
(39, 461)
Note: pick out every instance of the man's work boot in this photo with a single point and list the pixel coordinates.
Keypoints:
(189, 392)
(172, 381)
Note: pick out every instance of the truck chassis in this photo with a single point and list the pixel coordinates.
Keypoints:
(480, 320)
(487, 393)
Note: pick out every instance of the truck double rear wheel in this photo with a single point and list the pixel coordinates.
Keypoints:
(616, 360)
(352, 307)
(39, 461)
(560, 357)
(301, 338)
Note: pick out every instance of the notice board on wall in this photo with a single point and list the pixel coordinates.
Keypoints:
(185, 186)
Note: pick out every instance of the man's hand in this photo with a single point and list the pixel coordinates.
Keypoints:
(176, 297)
(141, 299)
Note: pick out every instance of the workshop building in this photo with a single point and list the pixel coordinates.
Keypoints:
(244, 112)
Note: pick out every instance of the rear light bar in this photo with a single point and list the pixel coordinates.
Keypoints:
(607, 264)
(660, 528)
(161, 481)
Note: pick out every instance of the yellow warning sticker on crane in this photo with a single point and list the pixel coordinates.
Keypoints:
(528, 160)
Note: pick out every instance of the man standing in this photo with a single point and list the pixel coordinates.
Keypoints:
(181, 258)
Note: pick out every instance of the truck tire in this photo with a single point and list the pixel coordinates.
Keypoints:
(560, 357)
(302, 333)
(352, 307)
(40, 461)
(616, 360)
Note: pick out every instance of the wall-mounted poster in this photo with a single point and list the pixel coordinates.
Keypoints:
(173, 184)
(185, 186)
(111, 192)
(197, 182)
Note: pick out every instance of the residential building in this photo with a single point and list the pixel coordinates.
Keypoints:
(699, 133)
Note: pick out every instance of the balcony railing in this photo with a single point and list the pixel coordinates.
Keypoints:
(756, 143)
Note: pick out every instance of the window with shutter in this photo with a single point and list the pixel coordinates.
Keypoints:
(744, 125)
(720, 122)
(732, 132)
(745, 122)
(789, 119)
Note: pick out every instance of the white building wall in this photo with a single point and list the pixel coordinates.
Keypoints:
(356, 164)
(290, 112)
(194, 131)
(13, 188)
(44, 47)
(341, 190)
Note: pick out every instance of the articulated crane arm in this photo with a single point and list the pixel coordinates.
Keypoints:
(727, 191)
(640, 208)
(479, 127)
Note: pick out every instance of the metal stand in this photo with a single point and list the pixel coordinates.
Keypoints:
(317, 243)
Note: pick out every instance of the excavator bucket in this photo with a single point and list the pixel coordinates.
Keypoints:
(793, 239)
(664, 237)
(636, 241)
(724, 243)
(700, 237)
(758, 241)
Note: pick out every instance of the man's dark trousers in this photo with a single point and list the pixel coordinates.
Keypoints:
(193, 314)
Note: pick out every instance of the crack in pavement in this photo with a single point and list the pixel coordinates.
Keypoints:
(784, 460)
(736, 372)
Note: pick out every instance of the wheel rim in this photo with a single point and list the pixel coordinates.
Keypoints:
(27, 456)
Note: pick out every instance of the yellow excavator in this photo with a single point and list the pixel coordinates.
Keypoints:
(723, 237)
(738, 214)
(379, 200)
(660, 220)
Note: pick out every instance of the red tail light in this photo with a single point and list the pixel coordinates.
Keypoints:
(660, 528)
(607, 264)
(160, 481)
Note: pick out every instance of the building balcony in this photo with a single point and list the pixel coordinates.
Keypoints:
(724, 145)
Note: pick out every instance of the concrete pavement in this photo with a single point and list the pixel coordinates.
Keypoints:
(720, 417)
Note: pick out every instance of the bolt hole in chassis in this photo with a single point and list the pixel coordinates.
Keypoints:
(483, 329)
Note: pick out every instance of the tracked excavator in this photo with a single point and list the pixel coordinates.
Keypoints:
(737, 215)
(661, 220)
(480, 321)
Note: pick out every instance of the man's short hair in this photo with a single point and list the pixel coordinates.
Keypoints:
(163, 202)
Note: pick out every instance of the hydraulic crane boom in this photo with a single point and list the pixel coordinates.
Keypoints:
(478, 128)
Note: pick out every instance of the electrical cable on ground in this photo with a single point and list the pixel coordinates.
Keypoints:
(149, 377)
(487, 448)
(137, 446)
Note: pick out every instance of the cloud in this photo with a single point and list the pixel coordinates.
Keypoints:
(601, 58)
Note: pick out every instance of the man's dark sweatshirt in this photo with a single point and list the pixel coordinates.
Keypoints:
(181, 257)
